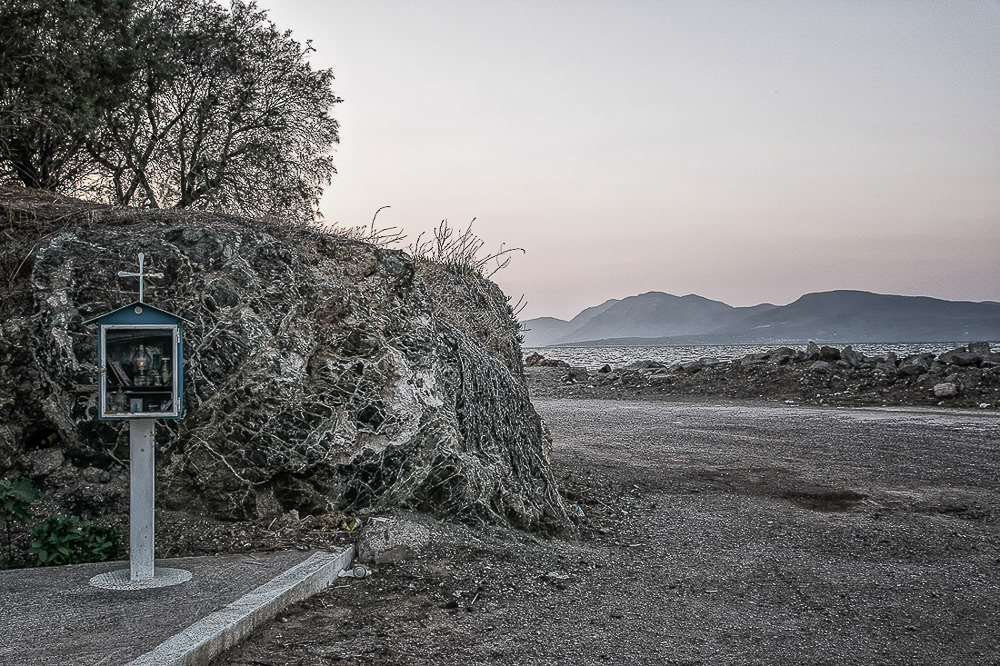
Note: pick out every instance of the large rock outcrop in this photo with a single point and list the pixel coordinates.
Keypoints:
(321, 374)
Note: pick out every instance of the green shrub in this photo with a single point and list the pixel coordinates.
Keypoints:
(16, 498)
(102, 543)
(55, 540)
(58, 539)
(68, 540)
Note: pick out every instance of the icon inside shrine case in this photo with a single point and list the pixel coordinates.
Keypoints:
(139, 378)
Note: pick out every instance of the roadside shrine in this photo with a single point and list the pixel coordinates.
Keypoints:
(140, 379)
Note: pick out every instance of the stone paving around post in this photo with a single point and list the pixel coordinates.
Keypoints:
(55, 616)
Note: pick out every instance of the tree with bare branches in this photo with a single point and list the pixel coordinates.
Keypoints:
(60, 63)
(212, 108)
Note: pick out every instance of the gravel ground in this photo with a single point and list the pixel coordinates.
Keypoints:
(713, 534)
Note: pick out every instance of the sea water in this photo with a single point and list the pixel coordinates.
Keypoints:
(593, 358)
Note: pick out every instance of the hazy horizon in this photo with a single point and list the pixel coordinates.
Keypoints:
(620, 298)
(745, 152)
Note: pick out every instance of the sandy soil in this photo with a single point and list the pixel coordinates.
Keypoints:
(713, 534)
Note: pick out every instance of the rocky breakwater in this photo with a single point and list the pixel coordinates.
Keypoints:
(968, 376)
(322, 375)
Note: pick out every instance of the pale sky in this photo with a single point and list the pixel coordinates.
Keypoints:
(745, 151)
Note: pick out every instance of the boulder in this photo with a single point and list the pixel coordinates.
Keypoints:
(553, 363)
(981, 348)
(820, 367)
(692, 367)
(829, 353)
(946, 390)
(913, 367)
(754, 359)
(322, 373)
(43, 462)
(851, 357)
(949, 356)
(390, 540)
(926, 357)
(644, 365)
(533, 359)
(812, 351)
(96, 475)
(576, 375)
(781, 356)
(605, 369)
(887, 369)
(964, 359)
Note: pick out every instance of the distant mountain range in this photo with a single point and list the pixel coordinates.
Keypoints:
(656, 318)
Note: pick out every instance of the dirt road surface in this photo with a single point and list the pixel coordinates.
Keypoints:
(713, 534)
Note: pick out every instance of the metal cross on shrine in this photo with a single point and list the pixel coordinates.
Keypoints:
(141, 274)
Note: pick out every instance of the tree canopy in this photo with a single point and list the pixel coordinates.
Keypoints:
(163, 103)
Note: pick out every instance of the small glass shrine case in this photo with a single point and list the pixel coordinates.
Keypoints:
(140, 363)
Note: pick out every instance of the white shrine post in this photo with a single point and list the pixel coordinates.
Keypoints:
(142, 476)
(142, 498)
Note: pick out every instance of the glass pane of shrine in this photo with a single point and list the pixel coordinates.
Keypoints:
(139, 371)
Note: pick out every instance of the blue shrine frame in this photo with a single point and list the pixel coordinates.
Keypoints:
(140, 362)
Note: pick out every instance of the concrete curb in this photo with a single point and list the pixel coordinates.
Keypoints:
(207, 638)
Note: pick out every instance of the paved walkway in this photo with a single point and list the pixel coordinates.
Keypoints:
(55, 617)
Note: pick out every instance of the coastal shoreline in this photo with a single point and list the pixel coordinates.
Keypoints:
(825, 376)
